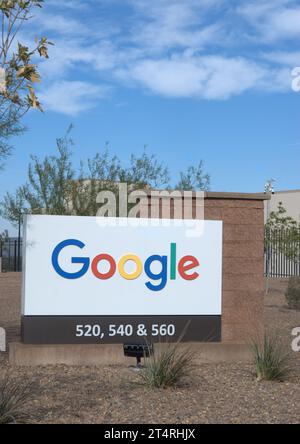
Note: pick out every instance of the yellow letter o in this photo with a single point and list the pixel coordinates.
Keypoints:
(139, 267)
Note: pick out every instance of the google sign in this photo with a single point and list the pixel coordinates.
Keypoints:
(86, 282)
(184, 265)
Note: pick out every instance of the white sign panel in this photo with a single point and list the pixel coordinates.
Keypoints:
(75, 266)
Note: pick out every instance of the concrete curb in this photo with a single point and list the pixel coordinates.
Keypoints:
(100, 355)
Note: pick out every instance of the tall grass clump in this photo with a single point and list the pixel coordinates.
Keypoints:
(167, 367)
(271, 359)
(13, 397)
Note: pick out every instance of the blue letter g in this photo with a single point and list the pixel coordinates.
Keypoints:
(85, 261)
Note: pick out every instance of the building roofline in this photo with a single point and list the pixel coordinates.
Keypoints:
(287, 191)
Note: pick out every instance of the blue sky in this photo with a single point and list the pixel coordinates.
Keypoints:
(192, 79)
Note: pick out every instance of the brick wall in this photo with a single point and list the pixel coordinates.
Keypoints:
(243, 266)
(243, 261)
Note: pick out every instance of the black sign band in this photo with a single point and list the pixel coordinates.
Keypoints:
(119, 329)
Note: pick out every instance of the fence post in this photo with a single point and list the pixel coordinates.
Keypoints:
(2, 340)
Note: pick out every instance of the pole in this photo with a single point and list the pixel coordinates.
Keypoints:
(19, 242)
(267, 252)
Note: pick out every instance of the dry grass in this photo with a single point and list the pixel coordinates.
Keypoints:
(14, 395)
(168, 367)
(272, 360)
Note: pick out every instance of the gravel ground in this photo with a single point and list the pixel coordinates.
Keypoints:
(224, 393)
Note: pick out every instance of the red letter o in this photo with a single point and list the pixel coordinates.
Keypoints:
(95, 263)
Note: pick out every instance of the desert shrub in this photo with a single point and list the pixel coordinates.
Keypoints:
(271, 359)
(292, 294)
(167, 367)
(13, 397)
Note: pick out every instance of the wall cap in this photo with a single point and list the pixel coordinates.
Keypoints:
(216, 195)
(238, 196)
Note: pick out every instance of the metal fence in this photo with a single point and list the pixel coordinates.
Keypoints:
(282, 253)
(11, 254)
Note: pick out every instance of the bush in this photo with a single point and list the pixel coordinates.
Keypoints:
(292, 294)
(167, 367)
(13, 396)
(271, 360)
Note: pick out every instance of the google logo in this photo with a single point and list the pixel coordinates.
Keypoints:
(169, 266)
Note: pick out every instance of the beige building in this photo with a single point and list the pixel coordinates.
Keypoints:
(290, 200)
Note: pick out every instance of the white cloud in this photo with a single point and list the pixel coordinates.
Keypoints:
(58, 23)
(171, 78)
(72, 97)
(69, 4)
(290, 59)
(277, 80)
(71, 57)
(206, 77)
(230, 76)
(285, 23)
(273, 19)
(164, 24)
